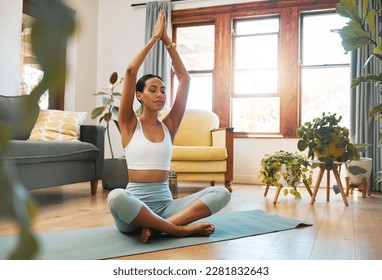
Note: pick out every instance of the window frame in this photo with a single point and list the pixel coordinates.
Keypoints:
(289, 65)
(234, 38)
(191, 72)
(315, 66)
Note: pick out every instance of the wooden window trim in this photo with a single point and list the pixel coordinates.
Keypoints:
(289, 11)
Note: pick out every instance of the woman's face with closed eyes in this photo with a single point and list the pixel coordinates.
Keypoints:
(153, 95)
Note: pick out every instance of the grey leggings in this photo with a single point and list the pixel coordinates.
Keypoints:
(125, 204)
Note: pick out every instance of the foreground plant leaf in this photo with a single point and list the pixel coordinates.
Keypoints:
(54, 24)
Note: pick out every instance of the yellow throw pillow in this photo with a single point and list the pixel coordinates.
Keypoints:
(56, 125)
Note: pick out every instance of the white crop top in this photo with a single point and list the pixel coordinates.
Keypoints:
(143, 154)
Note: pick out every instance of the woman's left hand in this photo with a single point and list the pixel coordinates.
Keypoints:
(165, 38)
(160, 26)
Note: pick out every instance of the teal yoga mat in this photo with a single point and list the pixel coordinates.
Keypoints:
(107, 242)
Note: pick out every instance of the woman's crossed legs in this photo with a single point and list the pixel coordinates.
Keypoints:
(173, 218)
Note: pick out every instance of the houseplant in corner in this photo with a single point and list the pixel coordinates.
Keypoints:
(286, 169)
(363, 30)
(115, 169)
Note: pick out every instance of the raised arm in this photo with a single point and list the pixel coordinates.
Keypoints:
(126, 117)
(176, 113)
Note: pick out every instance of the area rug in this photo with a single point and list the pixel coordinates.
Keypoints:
(107, 242)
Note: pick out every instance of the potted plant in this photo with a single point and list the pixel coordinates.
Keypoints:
(358, 174)
(115, 169)
(359, 32)
(327, 141)
(283, 168)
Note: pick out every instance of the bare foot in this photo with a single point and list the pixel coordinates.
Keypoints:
(145, 235)
(205, 229)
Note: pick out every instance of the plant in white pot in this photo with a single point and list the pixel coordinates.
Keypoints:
(358, 172)
(358, 175)
(282, 169)
(115, 169)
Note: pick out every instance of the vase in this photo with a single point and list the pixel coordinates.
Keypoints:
(363, 163)
(114, 173)
(332, 151)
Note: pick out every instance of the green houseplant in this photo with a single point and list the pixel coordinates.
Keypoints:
(53, 26)
(115, 169)
(362, 31)
(291, 168)
(327, 141)
(108, 112)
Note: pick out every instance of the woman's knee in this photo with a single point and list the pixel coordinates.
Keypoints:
(224, 195)
(217, 199)
(125, 209)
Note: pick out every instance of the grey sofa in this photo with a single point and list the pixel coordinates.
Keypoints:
(42, 164)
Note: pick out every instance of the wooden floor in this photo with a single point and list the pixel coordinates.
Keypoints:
(338, 232)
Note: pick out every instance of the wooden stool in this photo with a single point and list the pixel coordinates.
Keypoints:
(319, 179)
(281, 186)
(364, 186)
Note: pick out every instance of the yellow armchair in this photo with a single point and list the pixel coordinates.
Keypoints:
(202, 151)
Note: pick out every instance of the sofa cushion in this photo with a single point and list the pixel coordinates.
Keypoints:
(27, 152)
(57, 125)
(198, 153)
(12, 114)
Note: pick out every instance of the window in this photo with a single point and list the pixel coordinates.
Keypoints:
(255, 95)
(269, 73)
(195, 45)
(325, 68)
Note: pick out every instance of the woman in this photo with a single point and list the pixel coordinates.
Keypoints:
(146, 203)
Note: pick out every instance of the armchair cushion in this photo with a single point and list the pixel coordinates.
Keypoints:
(195, 167)
(199, 153)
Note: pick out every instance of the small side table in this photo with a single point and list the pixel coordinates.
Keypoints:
(336, 175)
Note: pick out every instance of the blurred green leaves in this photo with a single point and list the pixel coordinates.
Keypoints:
(53, 25)
(359, 32)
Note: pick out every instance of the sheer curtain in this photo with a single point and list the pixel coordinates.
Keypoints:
(362, 99)
(158, 60)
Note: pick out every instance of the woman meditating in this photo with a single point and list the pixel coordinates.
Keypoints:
(147, 204)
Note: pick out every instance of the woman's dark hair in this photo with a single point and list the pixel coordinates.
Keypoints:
(141, 82)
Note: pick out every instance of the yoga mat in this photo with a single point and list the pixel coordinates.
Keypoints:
(107, 242)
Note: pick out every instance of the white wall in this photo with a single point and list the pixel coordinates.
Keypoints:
(82, 58)
(10, 42)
